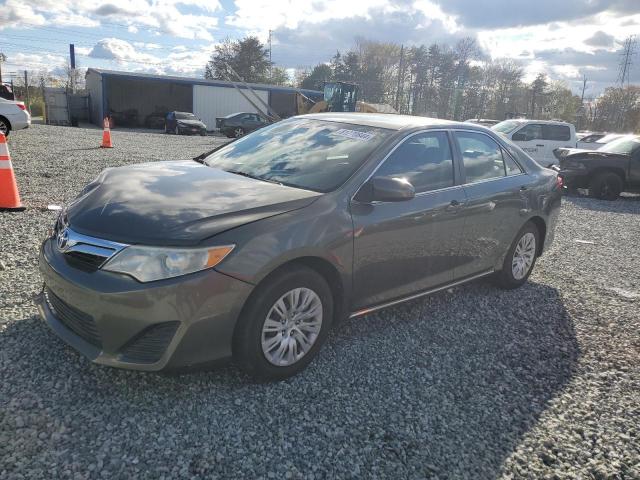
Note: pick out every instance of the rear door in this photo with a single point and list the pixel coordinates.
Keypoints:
(496, 188)
(555, 136)
(530, 139)
(404, 247)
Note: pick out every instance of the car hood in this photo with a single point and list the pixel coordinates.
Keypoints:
(191, 123)
(176, 203)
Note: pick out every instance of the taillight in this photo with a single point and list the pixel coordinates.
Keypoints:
(21, 106)
(559, 182)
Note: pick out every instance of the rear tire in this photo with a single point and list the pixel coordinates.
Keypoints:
(5, 126)
(520, 259)
(238, 132)
(260, 324)
(606, 186)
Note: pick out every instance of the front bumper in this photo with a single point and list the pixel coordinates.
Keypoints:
(117, 321)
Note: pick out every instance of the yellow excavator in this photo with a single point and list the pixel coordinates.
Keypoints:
(339, 97)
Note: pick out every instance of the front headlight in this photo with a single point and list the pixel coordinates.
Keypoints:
(147, 264)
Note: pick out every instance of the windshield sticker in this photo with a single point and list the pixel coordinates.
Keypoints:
(354, 134)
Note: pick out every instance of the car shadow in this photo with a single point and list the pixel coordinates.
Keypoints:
(440, 387)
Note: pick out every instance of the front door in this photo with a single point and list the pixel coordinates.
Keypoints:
(530, 139)
(405, 247)
(495, 186)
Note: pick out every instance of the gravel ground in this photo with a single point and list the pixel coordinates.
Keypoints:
(542, 382)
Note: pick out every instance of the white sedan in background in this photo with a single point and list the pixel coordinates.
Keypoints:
(595, 144)
(13, 116)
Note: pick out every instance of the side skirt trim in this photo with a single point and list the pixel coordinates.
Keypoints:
(365, 311)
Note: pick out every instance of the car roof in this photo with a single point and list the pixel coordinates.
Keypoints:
(544, 122)
(382, 120)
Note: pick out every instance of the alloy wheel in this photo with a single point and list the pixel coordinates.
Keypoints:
(523, 256)
(291, 327)
(238, 132)
(4, 128)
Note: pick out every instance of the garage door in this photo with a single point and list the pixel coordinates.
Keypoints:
(210, 103)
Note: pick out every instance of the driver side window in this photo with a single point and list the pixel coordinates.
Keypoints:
(424, 160)
(529, 132)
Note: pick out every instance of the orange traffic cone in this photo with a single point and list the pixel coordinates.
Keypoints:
(9, 196)
(106, 135)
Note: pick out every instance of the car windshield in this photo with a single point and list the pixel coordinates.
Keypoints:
(506, 126)
(310, 154)
(624, 145)
(185, 116)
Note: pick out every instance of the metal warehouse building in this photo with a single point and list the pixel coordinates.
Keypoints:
(139, 96)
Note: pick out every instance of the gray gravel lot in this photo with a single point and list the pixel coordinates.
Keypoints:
(542, 382)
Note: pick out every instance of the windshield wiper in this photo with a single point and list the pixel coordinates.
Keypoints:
(255, 177)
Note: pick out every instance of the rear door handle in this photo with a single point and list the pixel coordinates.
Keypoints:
(524, 188)
(538, 145)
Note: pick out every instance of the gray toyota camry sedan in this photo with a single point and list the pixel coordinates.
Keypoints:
(255, 250)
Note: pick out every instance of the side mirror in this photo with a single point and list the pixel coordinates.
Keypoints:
(519, 137)
(386, 189)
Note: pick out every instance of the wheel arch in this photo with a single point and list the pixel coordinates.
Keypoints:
(324, 268)
(541, 225)
(606, 169)
(5, 119)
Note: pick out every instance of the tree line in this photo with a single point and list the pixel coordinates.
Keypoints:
(438, 80)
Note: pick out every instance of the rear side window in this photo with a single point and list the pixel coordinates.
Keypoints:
(560, 133)
(424, 160)
(481, 156)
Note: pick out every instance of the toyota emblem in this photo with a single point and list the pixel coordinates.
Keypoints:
(63, 239)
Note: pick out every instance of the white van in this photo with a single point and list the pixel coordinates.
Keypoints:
(539, 138)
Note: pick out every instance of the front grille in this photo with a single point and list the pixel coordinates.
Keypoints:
(78, 322)
(84, 261)
(149, 345)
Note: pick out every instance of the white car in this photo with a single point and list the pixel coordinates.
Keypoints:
(595, 144)
(539, 138)
(13, 116)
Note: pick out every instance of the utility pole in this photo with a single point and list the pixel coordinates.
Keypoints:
(584, 87)
(270, 62)
(26, 88)
(400, 78)
(3, 58)
(629, 50)
(72, 67)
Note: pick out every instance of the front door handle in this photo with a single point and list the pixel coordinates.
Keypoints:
(524, 188)
(538, 145)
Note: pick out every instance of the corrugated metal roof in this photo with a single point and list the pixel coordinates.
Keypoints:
(196, 81)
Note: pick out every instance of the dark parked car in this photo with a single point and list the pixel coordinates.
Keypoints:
(255, 252)
(184, 123)
(612, 169)
(237, 125)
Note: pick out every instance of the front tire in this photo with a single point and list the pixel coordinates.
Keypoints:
(238, 132)
(606, 186)
(284, 324)
(520, 259)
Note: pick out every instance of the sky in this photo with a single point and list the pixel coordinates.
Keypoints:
(564, 39)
